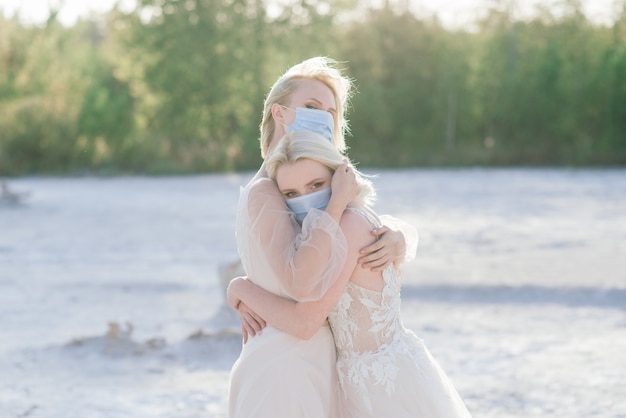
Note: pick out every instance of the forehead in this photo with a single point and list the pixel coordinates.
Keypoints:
(312, 89)
(298, 174)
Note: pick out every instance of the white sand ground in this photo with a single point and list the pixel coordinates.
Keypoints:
(519, 290)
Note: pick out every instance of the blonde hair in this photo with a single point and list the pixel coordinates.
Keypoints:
(299, 145)
(318, 68)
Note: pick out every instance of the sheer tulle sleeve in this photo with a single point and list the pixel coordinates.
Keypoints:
(281, 256)
(411, 237)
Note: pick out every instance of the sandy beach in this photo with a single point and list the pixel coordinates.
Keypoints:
(112, 307)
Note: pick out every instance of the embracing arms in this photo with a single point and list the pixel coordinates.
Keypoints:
(305, 260)
(303, 319)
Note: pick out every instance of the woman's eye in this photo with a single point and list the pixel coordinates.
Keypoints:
(290, 194)
(310, 106)
(317, 185)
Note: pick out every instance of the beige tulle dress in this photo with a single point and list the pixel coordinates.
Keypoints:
(384, 369)
(278, 375)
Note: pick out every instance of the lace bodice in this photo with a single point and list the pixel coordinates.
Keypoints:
(365, 320)
(369, 334)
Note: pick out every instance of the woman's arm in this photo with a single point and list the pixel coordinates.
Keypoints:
(397, 243)
(302, 319)
(306, 260)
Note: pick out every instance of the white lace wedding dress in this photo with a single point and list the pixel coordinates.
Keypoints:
(384, 369)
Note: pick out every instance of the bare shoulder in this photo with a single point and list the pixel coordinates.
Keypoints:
(356, 228)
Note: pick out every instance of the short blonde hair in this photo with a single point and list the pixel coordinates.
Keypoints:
(318, 68)
(303, 144)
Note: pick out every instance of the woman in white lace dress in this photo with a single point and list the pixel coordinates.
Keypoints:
(384, 369)
(293, 260)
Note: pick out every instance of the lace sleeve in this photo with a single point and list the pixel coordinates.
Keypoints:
(305, 260)
(411, 238)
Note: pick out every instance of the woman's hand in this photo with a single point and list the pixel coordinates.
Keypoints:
(251, 323)
(343, 184)
(388, 247)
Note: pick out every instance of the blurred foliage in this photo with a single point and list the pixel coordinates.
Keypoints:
(177, 86)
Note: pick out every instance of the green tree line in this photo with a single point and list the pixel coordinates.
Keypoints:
(177, 86)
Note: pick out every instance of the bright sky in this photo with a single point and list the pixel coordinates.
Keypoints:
(453, 13)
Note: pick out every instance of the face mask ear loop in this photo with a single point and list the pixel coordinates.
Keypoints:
(278, 114)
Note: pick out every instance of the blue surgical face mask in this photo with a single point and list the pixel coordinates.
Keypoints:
(318, 121)
(301, 205)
